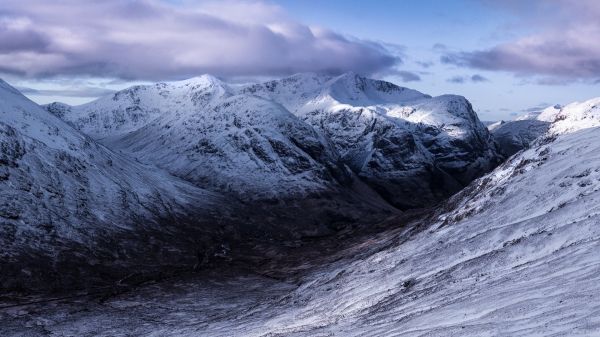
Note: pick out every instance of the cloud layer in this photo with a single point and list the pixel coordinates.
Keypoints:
(565, 44)
(154, 40)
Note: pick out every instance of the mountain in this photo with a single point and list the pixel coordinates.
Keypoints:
(412, 148)
(72, 210)
(302, 135)
(515, 253)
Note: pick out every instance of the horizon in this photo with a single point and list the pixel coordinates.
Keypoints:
(506, 58)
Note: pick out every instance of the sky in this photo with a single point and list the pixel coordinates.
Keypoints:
(507, 57)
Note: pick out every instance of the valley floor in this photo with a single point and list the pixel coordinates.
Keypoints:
(400, 282)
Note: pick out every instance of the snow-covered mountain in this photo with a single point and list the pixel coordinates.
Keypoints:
(513, 254)
(69, 205)
(132, 108)
(297, 136)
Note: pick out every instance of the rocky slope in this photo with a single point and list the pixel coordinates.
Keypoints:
(71, 210)
(514, 136)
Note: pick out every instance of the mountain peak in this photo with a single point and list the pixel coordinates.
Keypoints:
(204, 80)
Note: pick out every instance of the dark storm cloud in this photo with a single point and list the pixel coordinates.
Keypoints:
(149, 39)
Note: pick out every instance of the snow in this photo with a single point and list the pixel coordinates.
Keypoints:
(475, 269)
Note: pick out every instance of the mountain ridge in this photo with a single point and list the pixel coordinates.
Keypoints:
(365, 120)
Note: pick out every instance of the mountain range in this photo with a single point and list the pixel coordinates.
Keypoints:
(512, 253)
(147, 178)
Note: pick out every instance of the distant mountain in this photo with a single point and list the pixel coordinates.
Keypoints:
(514, 136)
(299, 135)
(149, 178)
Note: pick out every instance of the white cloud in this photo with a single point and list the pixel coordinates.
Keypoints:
(150, 40)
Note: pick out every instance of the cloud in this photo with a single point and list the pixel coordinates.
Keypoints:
(478, 78)
(155, 40)
(565, 44)
(84, 92)
(464, 79)
(457, 80)
(425, 64)
(439, 47)
(406, 76)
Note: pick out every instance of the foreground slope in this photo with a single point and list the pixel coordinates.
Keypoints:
(514, 254)
(72, 210)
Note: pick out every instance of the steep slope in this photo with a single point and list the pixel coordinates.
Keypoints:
(514, 254)
(412, 148)
(69, 207)
(259, 153)
(242, 144)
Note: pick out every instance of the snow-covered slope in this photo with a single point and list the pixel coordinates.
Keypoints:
(414, 149)
(545, 115)
(69, 205)
(244, 145)
(514, 254)
(574, 116)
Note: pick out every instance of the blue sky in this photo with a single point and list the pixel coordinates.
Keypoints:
(505, 56)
